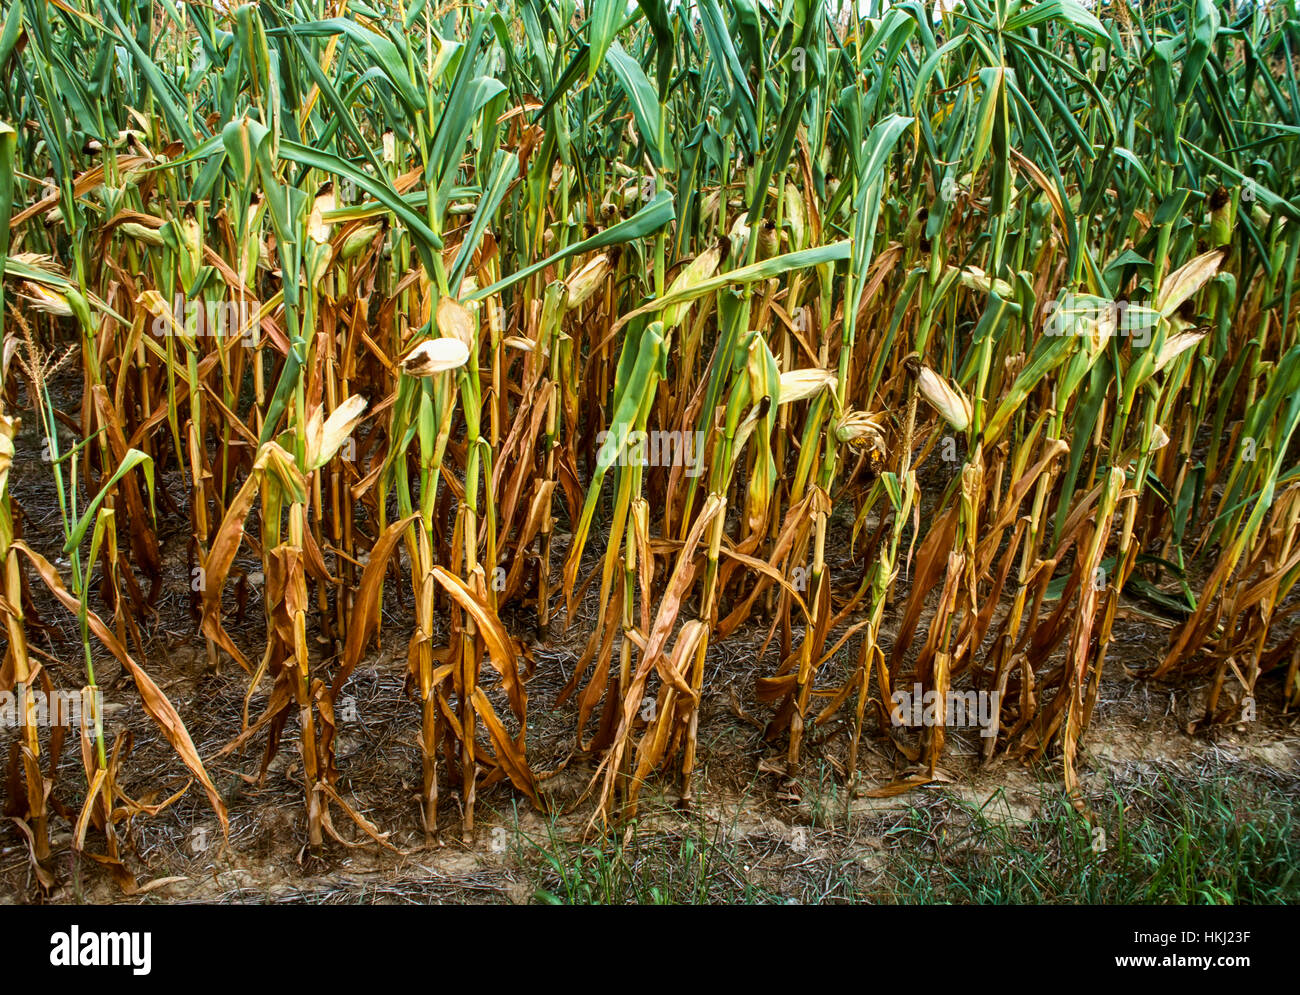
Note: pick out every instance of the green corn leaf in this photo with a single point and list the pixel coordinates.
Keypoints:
(130, 461)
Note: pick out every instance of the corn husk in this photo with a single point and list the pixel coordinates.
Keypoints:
(435, 356)
(583, 282)
(945, 398)
(799, 385)
(326, 435)
(454, 321)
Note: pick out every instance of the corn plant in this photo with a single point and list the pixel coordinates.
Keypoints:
(916, 347)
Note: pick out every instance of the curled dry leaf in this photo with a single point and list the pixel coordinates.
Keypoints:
(365, 608)
(1175, 346)
(326, 436)
(1187, 280)
(156, 703)
(8, 428)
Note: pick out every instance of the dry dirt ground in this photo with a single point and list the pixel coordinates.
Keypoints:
(796, 835)
(789, 836)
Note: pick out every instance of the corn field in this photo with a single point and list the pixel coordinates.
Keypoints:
(922, 343)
